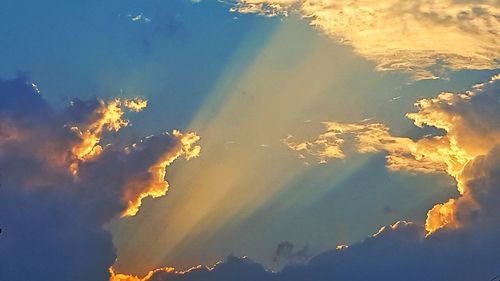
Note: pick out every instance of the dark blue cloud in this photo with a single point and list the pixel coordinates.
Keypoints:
(20, 99)
(53, 222)
(47, 231)
(48, 235)
(395, 254)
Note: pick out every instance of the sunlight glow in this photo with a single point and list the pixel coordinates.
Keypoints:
(244, 162)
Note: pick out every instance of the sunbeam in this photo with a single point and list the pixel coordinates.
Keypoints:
(244, 162)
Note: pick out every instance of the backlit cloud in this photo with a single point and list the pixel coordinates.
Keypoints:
(108, 116)
(62, 181)
(418, 37)
(470, 121)
(151, 182)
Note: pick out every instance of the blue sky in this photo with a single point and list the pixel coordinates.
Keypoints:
(173, 59)
(243, 82)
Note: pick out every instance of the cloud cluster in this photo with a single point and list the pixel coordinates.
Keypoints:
(62, 181)
(420, 37)
(233, 268)
(460, 239)
(470, 122)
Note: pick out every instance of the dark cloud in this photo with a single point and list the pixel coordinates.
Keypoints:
(51, 235)
(20, 99)
(286, 253)
(234, 268)
(397, 252)
(53, 218)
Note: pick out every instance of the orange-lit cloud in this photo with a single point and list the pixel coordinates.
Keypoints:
(107, 116)
(441, 215)
(410, 36)
(125, 277)
(470, 121)
(62, 176)
(153, 183)
(165, 273)
(67, 153)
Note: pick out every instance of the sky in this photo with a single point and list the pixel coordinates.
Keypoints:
(249, 139)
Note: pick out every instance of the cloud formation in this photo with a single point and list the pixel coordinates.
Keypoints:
(107, 116)
(396, 252)
(419, 37)
(62, 181)
(470, 122)
(234, 268)
(460, 238)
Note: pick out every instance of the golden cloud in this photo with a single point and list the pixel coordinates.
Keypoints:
(59, 165)
(409, 36)
(470, 121)
(107, 116)
(77, 146)
(153, 184)
(125, 277)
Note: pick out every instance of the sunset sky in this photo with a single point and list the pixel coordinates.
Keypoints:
(160, 140)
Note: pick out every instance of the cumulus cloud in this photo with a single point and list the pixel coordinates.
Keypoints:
(62, 182)
(460, 238)
(420, 37)
(470, 122)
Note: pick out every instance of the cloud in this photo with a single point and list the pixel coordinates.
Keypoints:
(419, 37)
(404, 251)
(286, 254)
(233, 268)
(139, 18)
(470, 122)
(62, 181)
(107, 116)
(396, 252)
(150, 181)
